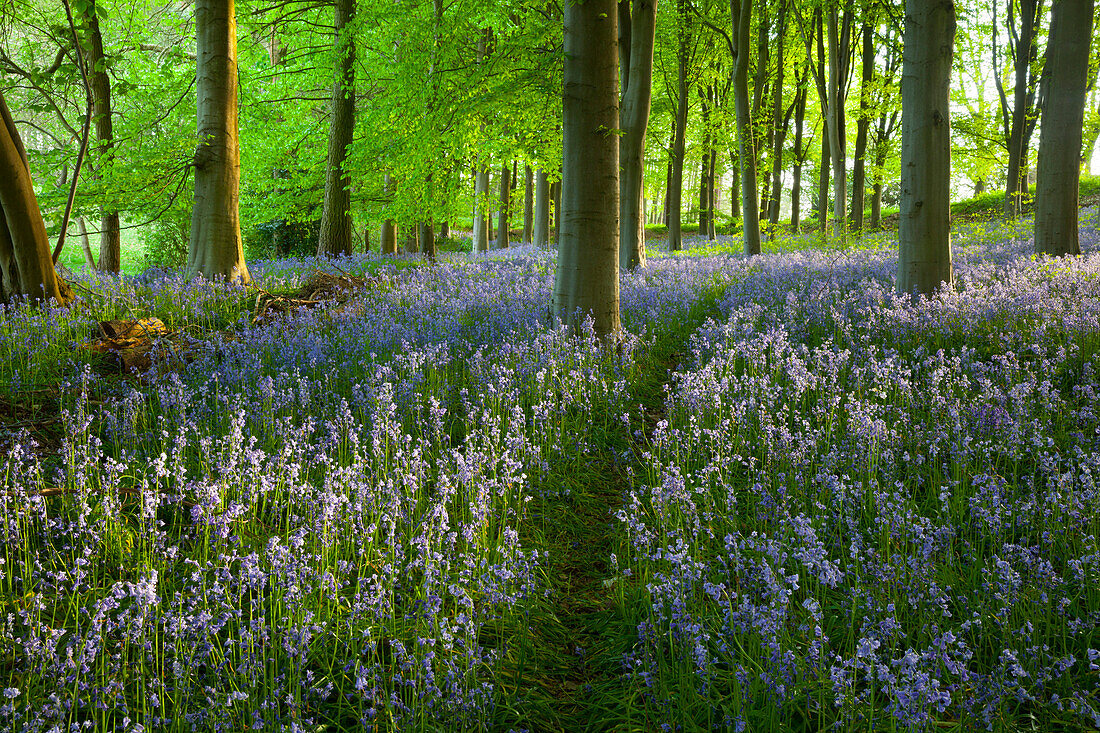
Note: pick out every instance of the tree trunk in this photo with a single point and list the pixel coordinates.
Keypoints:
(412, 245)
(859, 175)
(779, 127)
(427, 240)
(528, 203)
(587, 278)
(741, 13)
(1022, 121)
(110, 243)
(637, 66)
(481, 208)
(704, 165)
(799, 157)
(215, 249)
(26, 264)
(823, 183)
(555, 197)
(924, 232)
(712, 193)
(388, 239)
(85, 243)
(676, 185)
(336, 225)
(503, 223)
(835, 120)
(1066, 85)
(541, 224)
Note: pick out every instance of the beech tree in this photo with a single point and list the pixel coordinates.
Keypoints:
(924, 231)
(637, 25)
(1022, 19)
(26, 264)
(110, 244)
(1065, 86)
(336, 223)
(741, 16)
(587, 278)
(215, 248)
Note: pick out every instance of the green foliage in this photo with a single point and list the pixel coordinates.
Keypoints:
(454, 244)
(165, 240)
(281, 238)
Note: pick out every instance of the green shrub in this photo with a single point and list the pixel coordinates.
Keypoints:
(281, 238)
(165, 240)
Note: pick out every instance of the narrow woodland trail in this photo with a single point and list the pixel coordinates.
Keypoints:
(574, 677)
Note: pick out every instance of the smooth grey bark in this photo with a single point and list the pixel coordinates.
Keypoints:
(586, 283)
(528, 203)
(1065, 87)
(638, 23)
(859, 169)
(924, 230)
(481, 209)
(215, 249)
(741, 13)
(540, 233)
(388, 237)
(110, 242)
(26, 264)
(337, 229)
(503, 223)
(676, 184)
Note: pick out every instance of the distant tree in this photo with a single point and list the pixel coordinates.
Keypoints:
(336, 223)
(924, 232)
(110, 245)
(215, 248)
(587, 277)
(26, 265)
(1065, 86)
(637, 25)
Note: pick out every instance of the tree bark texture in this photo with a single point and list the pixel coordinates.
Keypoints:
(924, 231)
(503, 223)
(387, 240)
(587, 278)
(215, 249)
(835, 122)
(481, 209)
(337, 230)
(540, 228)
(859, 169)
(26, 264)
(528, 203)
(1021, 121)
(110, 243)
(426, 234)
(799, 157)
(1063, 108)
(741, 13)
(637, 63)
(676, 184)
(779, 127)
